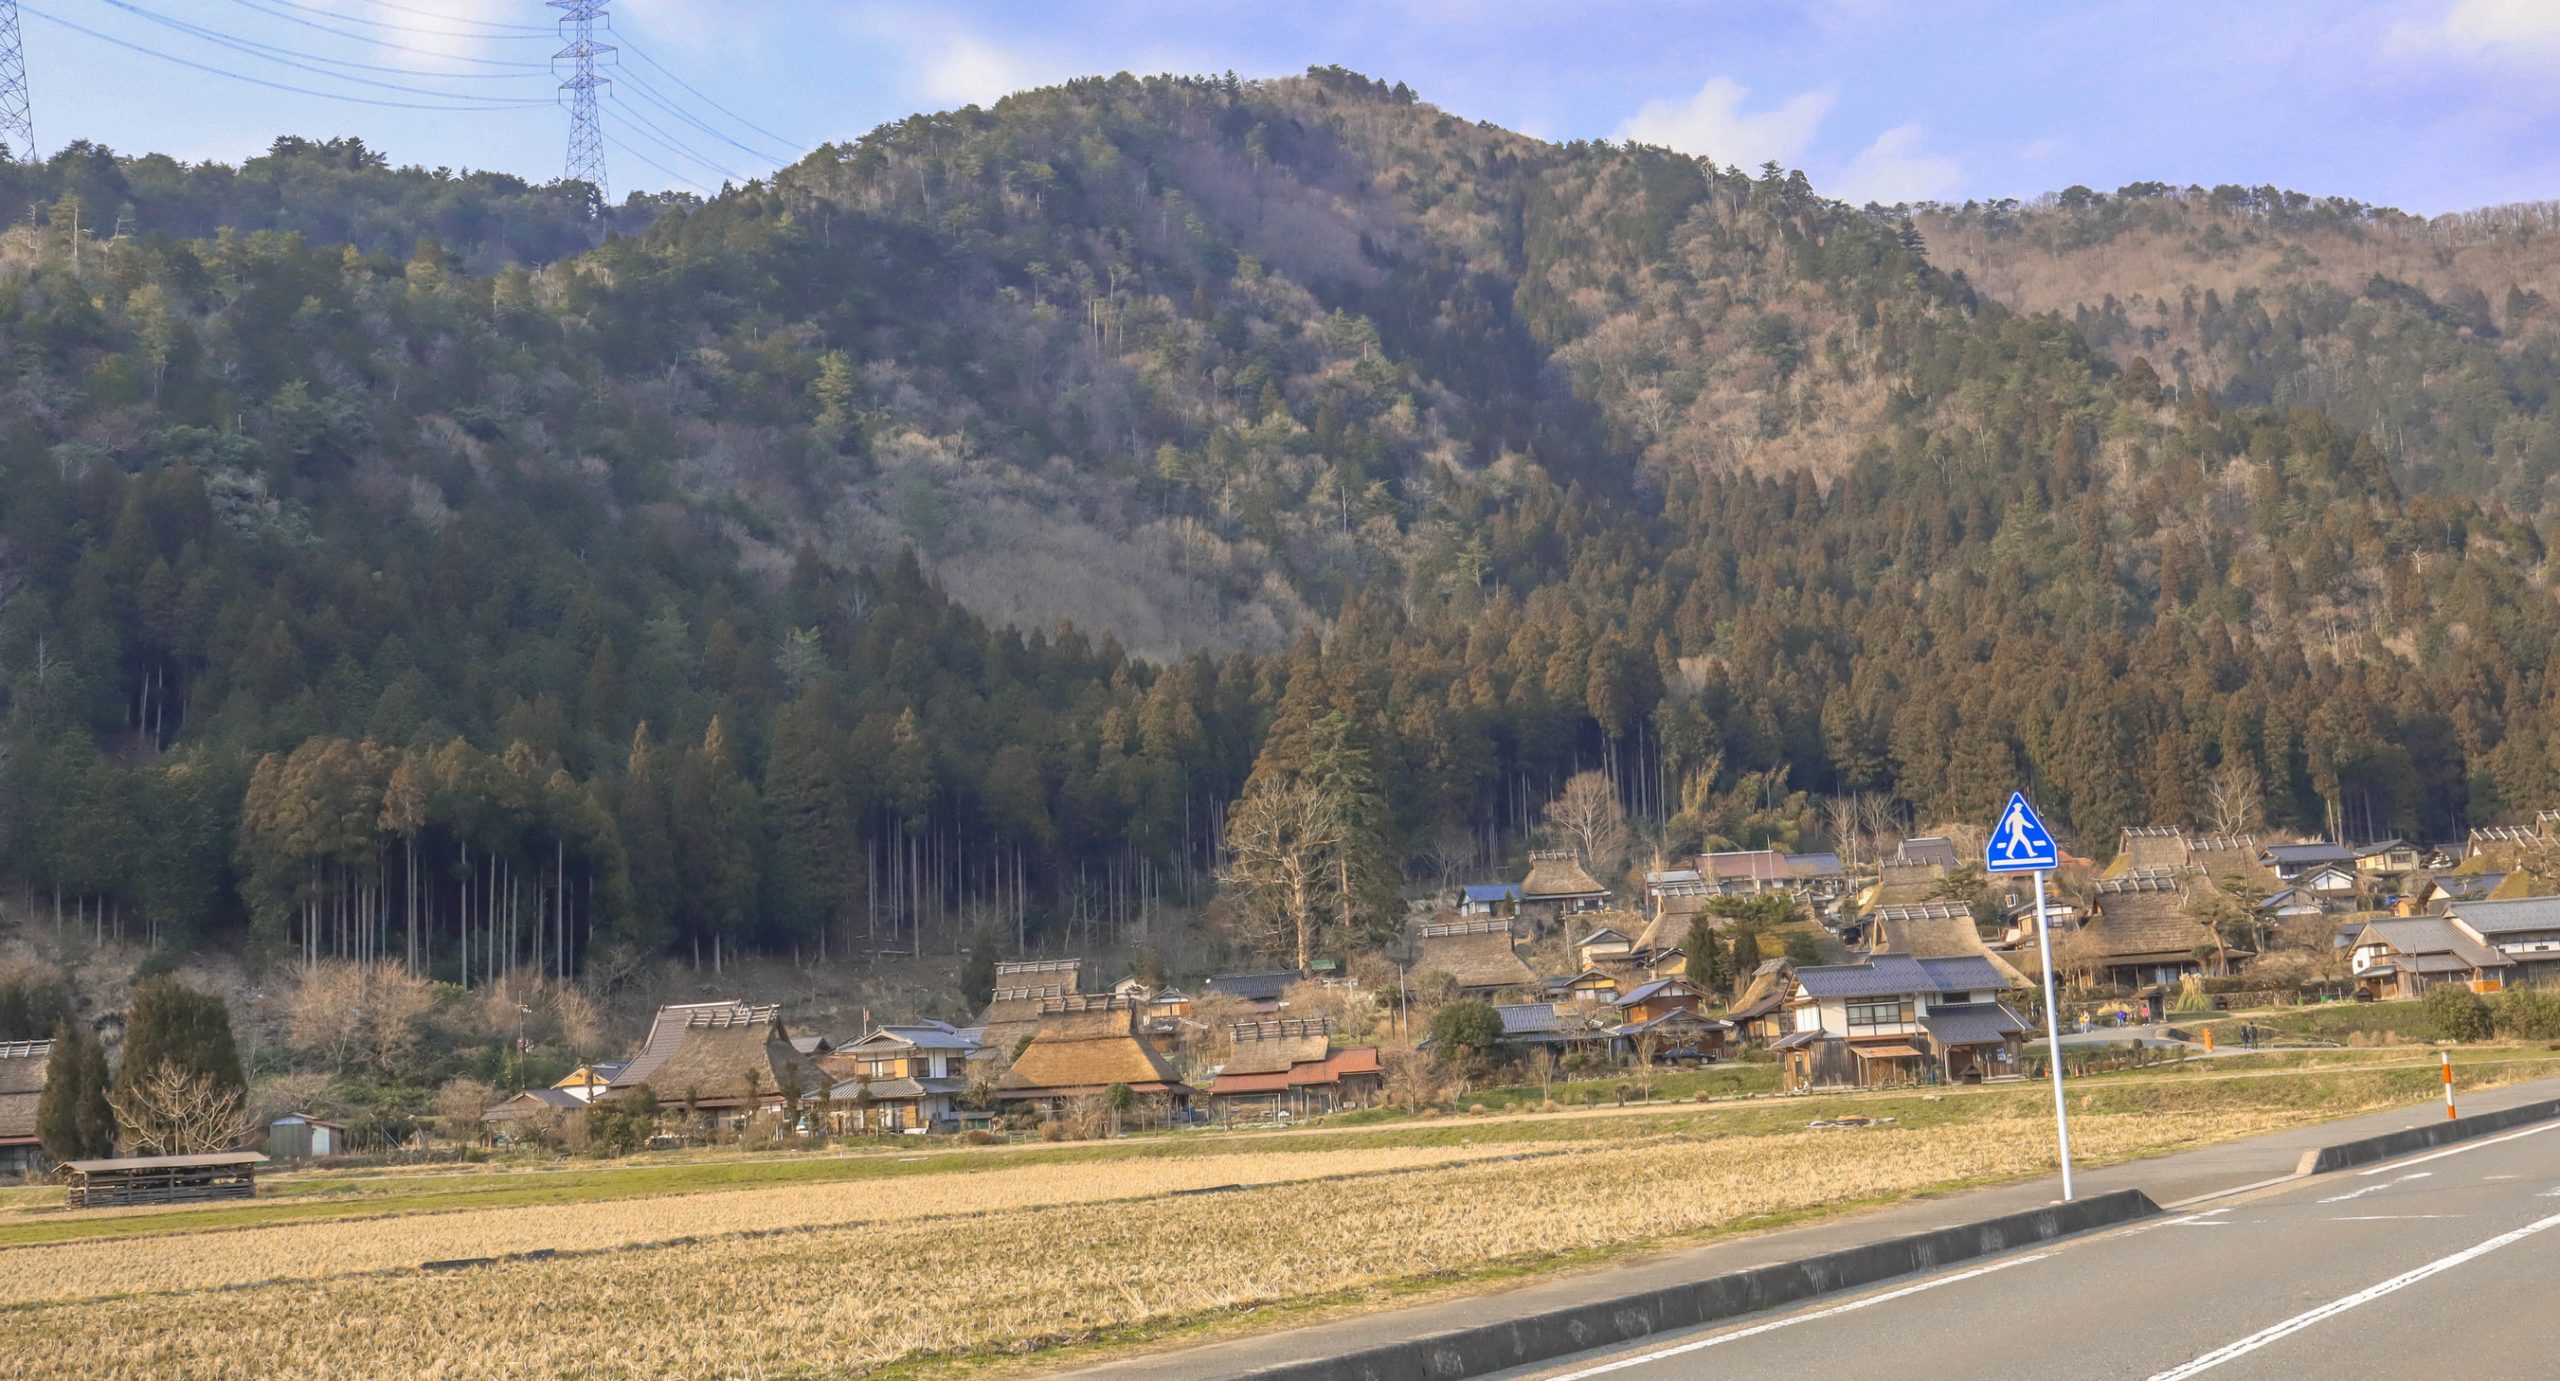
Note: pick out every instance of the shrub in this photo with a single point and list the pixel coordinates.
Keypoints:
(2531, 1014)
(1053, 1130)
(2455, 1013)
(979, 1136)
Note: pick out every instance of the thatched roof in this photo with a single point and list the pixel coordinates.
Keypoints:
(2151, 846)
(1040, 973)
(1900, 883)
(1934, 930)
(22, 1068)
(1087, 1050)
(1270, 1047)
(1478, 954)
(2144, 916)
(1558, 876)
(718, 1054)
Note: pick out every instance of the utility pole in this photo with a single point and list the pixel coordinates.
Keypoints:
(17, 120)
(579, 88)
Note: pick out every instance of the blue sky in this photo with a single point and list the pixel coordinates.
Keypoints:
(2430, 105)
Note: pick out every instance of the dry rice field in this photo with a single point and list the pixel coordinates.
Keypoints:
(844, 1280)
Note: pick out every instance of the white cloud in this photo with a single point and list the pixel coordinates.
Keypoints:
(1896, 169)
(967, 70)
(1713, 124)
(2482, 30)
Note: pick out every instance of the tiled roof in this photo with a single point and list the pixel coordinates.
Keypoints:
(2419, 936)
(1491, 891)
(1823, 864)
(2307, 855)
(1254, 987)
(1973, 1023)
(2495, 918)
(1887, 975)
(1756, 865)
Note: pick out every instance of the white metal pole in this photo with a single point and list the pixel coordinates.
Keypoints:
(2053, 1035)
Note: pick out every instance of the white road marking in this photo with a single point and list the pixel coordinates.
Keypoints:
(1775, 1324)
(2375, 1188)
(2392, 1217)
(2458, 1150)
(2333, 1308)
(2186, 1221)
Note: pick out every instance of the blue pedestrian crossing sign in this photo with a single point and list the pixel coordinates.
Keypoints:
(2020, 843)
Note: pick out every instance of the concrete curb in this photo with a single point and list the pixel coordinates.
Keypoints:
(2392, 1145)
(1466, 1352)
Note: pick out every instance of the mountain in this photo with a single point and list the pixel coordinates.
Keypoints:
(2440, 338)
(939, 536)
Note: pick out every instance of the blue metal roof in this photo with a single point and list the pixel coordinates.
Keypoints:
(1492, 891)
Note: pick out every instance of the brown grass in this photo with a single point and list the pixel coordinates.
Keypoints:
(846, 1300)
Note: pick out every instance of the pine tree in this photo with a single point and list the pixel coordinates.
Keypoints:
(173, 1024)
(716, 838)
(809, 814)
(648, 841)
(72, 1116)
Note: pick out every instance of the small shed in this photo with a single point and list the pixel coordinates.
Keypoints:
(301, 1136)
(124, 1181)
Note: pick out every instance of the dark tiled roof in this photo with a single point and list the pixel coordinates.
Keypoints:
(1972, 1023)
(1888, 975)
(2495, 918)
(1254, 987)
(2307, 855)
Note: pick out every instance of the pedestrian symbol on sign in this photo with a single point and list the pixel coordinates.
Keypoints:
(2020, 843)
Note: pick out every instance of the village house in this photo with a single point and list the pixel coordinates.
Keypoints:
(588, 1080)
(2143, 932)
(1289, 1067)
(2501, 847)
(2390, 859)
(505, 1119)
(1082, 1047)
(1930, 850)
(1557, 887)
(1545, 1031)
(1606, 943)
(1934, 930)
(1022, 988)
(2451, 889)
(1590, 985)
(22, 1072)
(2233, 861)
(2143, 848)
(1894, 1019)
(2405, 957)
(1261, 991)
(1820, 875)
(1759, 1012)
(722, 1061)
(903, 1078)
(2526, 930)
(2298, 863)
(1489, 899)
(1747, 872)
(1478, 954)
(1664, 1016)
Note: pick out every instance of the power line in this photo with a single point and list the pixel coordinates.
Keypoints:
(387, 43)
(289, 58)
(510, 30)
(793, 144)
(650, 94)
(586, 133)
(660, 137)
(17, 118)
(661, 167)
(261, 81)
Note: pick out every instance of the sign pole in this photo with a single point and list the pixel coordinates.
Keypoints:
(2053, 1036)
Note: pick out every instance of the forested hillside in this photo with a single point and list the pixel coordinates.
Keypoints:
(2439, 338)
(480, 601)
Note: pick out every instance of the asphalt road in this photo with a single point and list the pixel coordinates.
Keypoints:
(2439, 1266)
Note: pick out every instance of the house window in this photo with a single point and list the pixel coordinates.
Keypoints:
(1886, 1013)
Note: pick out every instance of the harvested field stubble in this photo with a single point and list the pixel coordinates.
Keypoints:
(842, 1301)
(185, 1261)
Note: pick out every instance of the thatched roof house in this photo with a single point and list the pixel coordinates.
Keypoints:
(1084, 1045)
(1280, 1065)
(1558, 878)
(2144, 931)
(2144, 847)
(720, 1056)
(1476, 953)
(1934, 930)
(22, 1070)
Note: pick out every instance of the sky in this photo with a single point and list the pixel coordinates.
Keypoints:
(2427, 105)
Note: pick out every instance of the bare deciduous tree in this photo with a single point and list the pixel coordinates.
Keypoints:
(172, 1112)
(1586, 818)
(1840, 817)
(2234, 795)
(1283, 867)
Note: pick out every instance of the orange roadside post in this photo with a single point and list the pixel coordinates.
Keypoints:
(2208, 1040)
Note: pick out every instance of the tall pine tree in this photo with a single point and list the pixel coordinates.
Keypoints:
(73, 1118)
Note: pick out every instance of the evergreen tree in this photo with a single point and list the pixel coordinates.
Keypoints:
(72, 1116)
(172, 1024)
